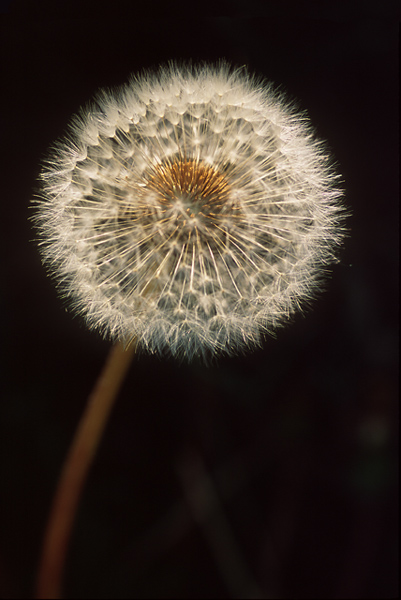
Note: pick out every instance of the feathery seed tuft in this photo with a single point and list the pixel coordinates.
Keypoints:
(192, 210)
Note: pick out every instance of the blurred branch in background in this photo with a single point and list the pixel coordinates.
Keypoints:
(208, 512)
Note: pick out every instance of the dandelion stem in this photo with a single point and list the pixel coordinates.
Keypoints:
(76, 467)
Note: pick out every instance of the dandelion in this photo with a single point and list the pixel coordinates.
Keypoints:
(192, 210)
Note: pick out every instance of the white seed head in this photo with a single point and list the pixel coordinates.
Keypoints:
(192, 210)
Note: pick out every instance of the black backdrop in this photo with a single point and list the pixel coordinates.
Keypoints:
(297, 439)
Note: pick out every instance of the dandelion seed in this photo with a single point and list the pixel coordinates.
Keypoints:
(193, 210)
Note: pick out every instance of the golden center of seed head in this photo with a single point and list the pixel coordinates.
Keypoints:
(194, 189)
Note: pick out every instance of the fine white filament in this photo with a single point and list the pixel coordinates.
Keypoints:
(192, 210)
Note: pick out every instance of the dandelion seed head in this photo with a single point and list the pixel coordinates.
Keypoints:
(192, 210)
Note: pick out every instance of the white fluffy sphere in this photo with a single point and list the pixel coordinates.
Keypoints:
(192, 210)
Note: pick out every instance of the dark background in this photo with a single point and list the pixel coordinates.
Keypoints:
(297, 440)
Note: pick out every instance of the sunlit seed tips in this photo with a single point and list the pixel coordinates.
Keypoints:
(193, 210)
